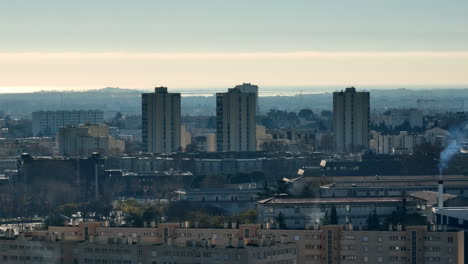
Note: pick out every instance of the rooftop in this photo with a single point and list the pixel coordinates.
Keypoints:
(431, 197)
(389, 181)
(333, 200)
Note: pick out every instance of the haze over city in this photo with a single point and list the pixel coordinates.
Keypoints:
(75, 45)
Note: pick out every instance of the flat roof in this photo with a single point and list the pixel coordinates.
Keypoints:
(389, 181)
(336, 200)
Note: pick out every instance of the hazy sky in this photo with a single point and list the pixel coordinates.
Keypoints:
(84, 44)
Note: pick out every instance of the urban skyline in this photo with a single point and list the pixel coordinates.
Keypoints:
(301, 132)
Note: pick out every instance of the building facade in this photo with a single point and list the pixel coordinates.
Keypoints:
(351, 120)
(47, 123)
(252, 243)
(299, 213)
(83, 140)
(236, 120)
(161, 121)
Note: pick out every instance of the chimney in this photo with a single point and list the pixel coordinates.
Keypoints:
(197, 223)
(440, 194)
(234, 225)
(226, 225)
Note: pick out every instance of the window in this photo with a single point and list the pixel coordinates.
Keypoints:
(365, 238)
(380, 259)
(246, 233)
(365, 249)
(379, 249)
(366, 259)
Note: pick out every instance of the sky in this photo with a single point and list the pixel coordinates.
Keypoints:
(90, 44)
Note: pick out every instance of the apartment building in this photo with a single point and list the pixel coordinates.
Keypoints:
(161, 131)
(235, 120)
(83, 140)
(185, 243)
(351, 120)
(47, 123)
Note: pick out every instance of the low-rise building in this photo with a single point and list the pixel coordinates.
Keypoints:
(300, 213)
(376, 186)
(233, 199)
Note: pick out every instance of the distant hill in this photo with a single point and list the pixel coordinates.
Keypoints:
(128, 101)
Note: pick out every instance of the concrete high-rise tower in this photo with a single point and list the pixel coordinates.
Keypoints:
(161, 121)
(351, 120)
(250, 88)
(236, 120)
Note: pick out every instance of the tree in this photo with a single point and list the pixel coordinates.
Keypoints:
(280, 220)
(133, 212)
(247, 217)
(424, 160)
(333, 216)
(69, 209)
(307, 192)
(325, 220)
(306, 114)
(281, 187)
(191, 148)
(373, 222)
(151, 213)
(266, 192)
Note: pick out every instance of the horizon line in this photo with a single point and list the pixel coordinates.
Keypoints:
(76, 55)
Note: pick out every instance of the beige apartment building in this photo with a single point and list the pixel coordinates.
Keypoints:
(184, 243)
(83, 140)
(236, 120)
(351, 120)
(161, 114)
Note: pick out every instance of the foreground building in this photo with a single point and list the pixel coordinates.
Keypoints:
(161, 131)
(236, 120)
(186, 243)
(47, 123)
(351, 120)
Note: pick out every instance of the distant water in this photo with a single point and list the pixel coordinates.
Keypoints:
(302, 90)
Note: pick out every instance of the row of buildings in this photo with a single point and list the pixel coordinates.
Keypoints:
(236, 130)
(235, 120)
(94, 242)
